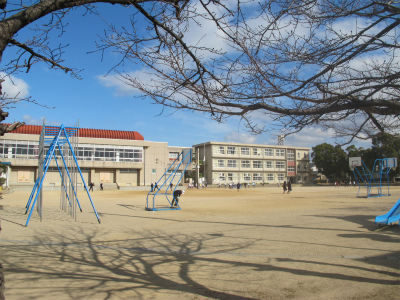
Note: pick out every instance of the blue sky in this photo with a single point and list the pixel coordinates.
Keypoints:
(101, 102)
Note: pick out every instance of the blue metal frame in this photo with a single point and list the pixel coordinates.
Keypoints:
(188, 158)
(363, 175)
(381, 167)
(61, 135)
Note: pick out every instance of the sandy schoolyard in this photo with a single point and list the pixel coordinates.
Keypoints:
(316, 243)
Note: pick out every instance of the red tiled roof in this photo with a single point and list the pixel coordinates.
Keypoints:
(87, 132)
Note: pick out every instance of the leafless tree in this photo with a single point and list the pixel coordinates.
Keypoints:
(45, 21)
(283, 64)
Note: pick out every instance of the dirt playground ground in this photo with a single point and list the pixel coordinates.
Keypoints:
(316, 243)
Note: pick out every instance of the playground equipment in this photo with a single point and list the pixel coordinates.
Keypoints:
(185, 157)
(391, 217)
(58, 140)
(372, 180)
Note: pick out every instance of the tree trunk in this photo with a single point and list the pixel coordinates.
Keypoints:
(2, 287)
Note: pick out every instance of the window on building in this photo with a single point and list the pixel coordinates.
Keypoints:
(290, 169)
(257, 151)
(298, 154)
(19, 149)
(22, 151)
(280, 164)
(219, 176)
(85, 153)
(246, 177)
(280, 152)
(173, 155)
(30, 150)
(219, 150)
(110, 153)
(232, 177)
(290, 154)
(232, 163)
(270, 177)
(257, 177)
(281, 177)
(219, 163)
(269, 164)
(245, 164)
(128, 170)
(257, 164)
(269, 152)
(231, 150)
(3, 150)
(245, 151)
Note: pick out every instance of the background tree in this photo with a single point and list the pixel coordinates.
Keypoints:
(388, 140)
(331, 160)
(385, 146)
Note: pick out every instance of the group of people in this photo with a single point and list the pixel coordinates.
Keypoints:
(176, 195)
(192, 185)
(287, 187)
(346, 183)
(153, 186)
(91, 185)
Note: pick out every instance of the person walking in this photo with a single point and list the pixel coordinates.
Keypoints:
(91, 185)
(176, 197)
(289, 186)
(101, 186)
(284, 187)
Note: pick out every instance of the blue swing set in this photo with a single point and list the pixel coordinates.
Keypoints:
(59, 145)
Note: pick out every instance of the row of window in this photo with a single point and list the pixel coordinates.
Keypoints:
(232, 150)
(256, 164)
(30, 150)
(234, 177)
(267, 152)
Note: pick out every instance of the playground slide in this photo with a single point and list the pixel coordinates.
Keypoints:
(391, 217)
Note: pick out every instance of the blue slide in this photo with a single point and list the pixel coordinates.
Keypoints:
(391, 217)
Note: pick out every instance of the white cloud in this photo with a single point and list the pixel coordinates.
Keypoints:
(238, 137)
(310, 137)
(121, 88)
(14, 87)
(29, 120)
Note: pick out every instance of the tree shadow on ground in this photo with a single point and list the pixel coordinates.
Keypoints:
(92, 268)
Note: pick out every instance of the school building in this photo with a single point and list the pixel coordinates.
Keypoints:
(220, 163)
(118, 159)
(124, 160)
